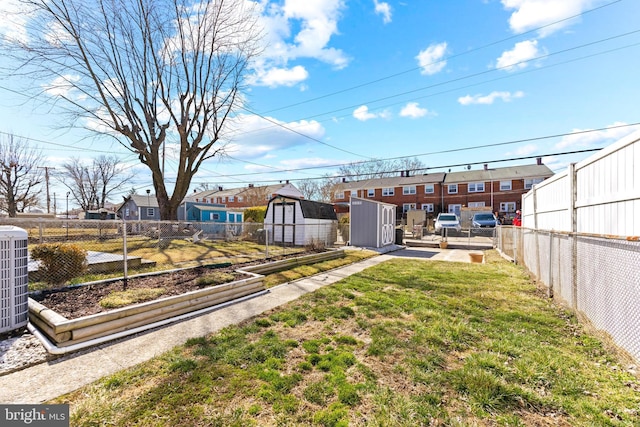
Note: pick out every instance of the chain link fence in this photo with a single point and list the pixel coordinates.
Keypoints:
(64, 252)
(597, 276)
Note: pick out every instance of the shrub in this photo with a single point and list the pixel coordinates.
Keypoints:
(59, 262)
(255, 214)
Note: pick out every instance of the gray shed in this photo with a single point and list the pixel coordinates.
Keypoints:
(291, 220)
(372, 224)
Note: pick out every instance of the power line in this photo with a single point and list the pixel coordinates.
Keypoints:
(453, 150)
(441, 60)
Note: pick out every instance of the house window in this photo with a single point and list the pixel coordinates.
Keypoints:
(231, 198)
(150, 212)
(240, 198)
(408, 206)
(224, 199)
(408, 190)
(427, 207)
(340, 195)
(505, 185)
(476, 187)
(452, 189)
(214, 216)
(508, 207)
(428, 189)
(529, 183)
(455, 209)
(387, 191)
(371, 192)
(476, 204)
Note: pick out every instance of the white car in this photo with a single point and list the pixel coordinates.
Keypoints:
(447, 220)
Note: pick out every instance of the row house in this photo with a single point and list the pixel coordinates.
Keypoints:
(498, 188)
(244, 197)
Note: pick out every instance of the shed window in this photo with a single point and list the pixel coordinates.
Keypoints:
(151, 212)
(214, 216)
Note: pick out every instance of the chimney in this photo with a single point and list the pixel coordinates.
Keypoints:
(486, 166)
(344, 179)
(406, 173)
(287, 181)
(539, 160)
(220, 188)
(250, 185)
(402, 173)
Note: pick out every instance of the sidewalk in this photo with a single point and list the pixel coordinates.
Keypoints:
(48, 380)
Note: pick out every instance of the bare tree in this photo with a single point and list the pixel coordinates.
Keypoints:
(92, 185)
(310, 188)
(256, 196)
(20, 176)
(158, 75)
(380, 168)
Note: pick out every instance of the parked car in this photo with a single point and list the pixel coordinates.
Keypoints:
(447, 220)
(484, 220)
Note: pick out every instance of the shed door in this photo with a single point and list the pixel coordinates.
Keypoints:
(387, 236)
(284, 219)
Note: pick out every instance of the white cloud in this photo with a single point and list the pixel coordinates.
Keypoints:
(13, 26)
(362, 113)
(524, 150)
(595, 139)
(305, 162)
(297, 30)
(61, 86)
(279, 76)
(530, 14)
(513, 59)
(256, 137)
(430, 59)
(489, 99)
(413, 111)
(383, 8)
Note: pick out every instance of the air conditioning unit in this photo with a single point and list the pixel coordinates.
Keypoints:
(14, 281)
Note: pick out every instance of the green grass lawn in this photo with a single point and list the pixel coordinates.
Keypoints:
(404, 343)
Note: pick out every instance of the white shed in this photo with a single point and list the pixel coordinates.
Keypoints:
(372, 224)
(299, 222)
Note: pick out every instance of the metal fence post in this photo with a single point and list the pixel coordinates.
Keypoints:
(124, 251)
(550, 281)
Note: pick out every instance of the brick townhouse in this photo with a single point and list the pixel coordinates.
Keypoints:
(499, 188)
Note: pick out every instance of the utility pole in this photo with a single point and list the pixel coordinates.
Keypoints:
(46, 180)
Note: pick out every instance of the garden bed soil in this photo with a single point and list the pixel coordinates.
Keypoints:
(84, 300)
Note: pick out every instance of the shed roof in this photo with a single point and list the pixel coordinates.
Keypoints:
(310, 208)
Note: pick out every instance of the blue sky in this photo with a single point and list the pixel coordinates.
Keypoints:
(353, 80)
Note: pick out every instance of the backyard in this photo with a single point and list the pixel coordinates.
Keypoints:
(403, 343)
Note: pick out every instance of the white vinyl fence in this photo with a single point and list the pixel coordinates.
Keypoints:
(580, 238)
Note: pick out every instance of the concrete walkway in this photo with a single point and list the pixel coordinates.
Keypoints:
(48, 380)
